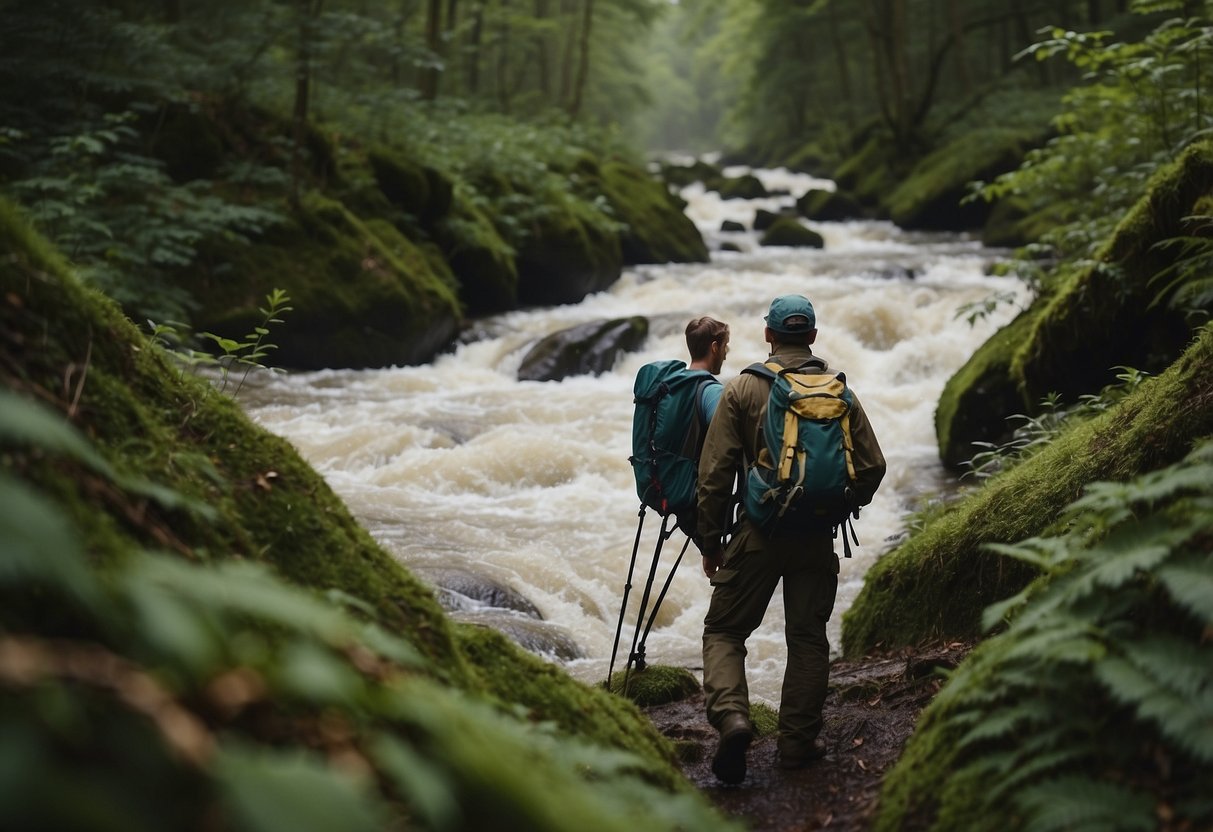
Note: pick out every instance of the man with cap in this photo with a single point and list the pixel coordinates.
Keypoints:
(744, 573)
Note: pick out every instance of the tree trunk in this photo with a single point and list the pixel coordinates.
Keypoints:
(844, 69)
(544, 80)
(503, 59)
(428, 86)
(956, 17)
(1094, 12)
(308, 11)
(583, 61)
(474, 49)
(567, 9)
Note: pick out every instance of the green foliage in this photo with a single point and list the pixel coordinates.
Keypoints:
(249, 352)
(1032, 433)
(1093, 709)
(1139, 105)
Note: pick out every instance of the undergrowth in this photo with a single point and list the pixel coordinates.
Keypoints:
(1092, 706)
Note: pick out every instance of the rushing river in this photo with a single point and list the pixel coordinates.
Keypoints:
(456, 468)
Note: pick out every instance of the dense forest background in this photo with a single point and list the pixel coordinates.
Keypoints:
(137, 134)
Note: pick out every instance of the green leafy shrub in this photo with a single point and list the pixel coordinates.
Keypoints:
(1093, 707)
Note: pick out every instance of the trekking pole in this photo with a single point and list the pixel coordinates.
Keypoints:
(627, 588)
(644, 604)
(657, 605)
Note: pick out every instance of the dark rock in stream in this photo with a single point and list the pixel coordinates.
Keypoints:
(539, 637)
(587, 348)
(463, 589)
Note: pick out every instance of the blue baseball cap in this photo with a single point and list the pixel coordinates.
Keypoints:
(791, 315)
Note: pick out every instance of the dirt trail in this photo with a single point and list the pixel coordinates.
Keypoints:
(870, 712)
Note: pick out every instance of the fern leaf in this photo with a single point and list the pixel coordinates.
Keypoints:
(1187, 722)
(1191, 587)
(1009, 720)
(1078, 804)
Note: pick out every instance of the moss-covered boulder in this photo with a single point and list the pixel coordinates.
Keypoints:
(933, 195)
(679, 176)
(657, 231)
(587, 348)
(566, 257)
(418, 190)
(363, 294)
(829, 206)
(1094, 318)
(746, 186)
(936, 584)
(655, 685)
(481, 260)
(978, 398)
(219, 638)
(789, 231)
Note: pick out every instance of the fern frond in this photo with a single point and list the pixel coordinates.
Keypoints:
(1000, 724)
(1190, 585)
(1078, 804)
(1185, 721)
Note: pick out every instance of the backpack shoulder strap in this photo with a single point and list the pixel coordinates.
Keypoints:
(768, 371)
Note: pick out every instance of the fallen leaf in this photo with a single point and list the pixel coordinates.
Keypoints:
(858, 741)
(861, 764)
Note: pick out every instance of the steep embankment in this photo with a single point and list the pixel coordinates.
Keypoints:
(195, 632)
(1070, 340)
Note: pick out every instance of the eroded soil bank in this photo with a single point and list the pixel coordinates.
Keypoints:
(871, 710)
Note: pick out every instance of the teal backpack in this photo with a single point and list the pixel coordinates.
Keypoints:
(803, 477)
(668, 428)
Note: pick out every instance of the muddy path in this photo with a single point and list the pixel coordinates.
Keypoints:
(871, 710)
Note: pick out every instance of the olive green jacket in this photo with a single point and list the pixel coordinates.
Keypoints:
(732, 444)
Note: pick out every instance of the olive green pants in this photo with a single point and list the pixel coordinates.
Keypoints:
(742, 589)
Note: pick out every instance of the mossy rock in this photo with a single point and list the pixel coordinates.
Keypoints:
(147, 417)
(417, 189)
(565, 258)
(978, 398)
(948, 569)
(550, 695)
(655, 685)
(363, 295)
(933, 195)
(589, 348)
(657, 229)
(829, 206)
(871, 171)
(682, 175)
(482, 262)
(1106, 316)
(746, 186)
(788, 231)
(1094, 319)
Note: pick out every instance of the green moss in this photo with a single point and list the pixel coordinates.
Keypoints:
(931, 195)
(549, 695)
(868, 173)
(482, 261)
(789, 231)
(655, 685)
(936, 583)
(978, 398)
(657, 230)
(177, 431)
(567, 255)
(1105, 316)
(362, 293)
(765, 719)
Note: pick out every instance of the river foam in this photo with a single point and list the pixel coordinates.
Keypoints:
(458, 464)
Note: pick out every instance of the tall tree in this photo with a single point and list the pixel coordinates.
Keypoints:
(583, 58)
(308, 11)
(433, 42)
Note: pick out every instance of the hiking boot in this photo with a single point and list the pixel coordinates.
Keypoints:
(804, 758)
(736, 734)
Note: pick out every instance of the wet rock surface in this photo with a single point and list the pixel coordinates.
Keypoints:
(871, 710)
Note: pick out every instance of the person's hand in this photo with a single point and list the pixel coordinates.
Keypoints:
(712, 561)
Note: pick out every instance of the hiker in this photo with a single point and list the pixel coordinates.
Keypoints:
(708, 344)
(674, 404)
(745, 572)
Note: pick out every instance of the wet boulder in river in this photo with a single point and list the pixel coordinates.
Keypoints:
(788, 231)
(589, 348)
